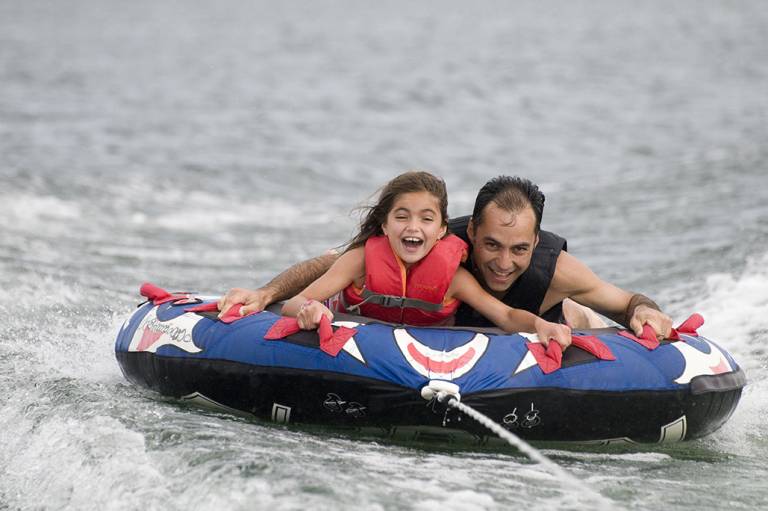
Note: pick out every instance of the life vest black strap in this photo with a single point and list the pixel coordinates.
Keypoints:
(399, 302)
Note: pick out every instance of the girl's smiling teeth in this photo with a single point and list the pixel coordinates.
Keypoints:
(412, 242)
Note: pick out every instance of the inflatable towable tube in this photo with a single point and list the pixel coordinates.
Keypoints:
(609, 387)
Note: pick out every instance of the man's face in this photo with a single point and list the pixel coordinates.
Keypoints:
(502, 246)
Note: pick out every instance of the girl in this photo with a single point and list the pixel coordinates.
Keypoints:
(402, 268)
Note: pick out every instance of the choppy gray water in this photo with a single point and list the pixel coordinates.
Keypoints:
(203, 145)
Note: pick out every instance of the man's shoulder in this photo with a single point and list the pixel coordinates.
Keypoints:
(458, 226)
(550, 241)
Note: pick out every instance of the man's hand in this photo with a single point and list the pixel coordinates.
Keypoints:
(289, 283)
(644, 315)
(547, 331)
(253, 300)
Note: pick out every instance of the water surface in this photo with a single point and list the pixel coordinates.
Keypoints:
(203, 146)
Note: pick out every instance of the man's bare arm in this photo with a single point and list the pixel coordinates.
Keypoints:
(287, 284)
(296, 278)
(573, 279)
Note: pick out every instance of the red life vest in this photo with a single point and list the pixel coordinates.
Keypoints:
(413, 297)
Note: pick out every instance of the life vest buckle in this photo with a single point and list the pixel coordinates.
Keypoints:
(393, 301)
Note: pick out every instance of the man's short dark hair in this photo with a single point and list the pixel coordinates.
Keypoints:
(512, 194)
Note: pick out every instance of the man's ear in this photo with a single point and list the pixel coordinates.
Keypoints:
(471, 229)
(536, 242)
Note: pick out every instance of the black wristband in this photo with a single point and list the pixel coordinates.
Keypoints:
(636, 301)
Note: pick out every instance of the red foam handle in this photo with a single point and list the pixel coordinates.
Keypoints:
(203, 307)
(593, 345)
(330, 342)
(282, 328)
(550, 358)
(324, 329)
(649, 341)
(152, 292)
(688, 327)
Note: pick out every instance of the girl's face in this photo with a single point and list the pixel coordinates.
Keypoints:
(413, 225)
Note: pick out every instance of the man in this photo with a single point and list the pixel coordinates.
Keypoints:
(512, 259)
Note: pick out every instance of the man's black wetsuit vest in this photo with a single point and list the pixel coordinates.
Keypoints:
(527, 292)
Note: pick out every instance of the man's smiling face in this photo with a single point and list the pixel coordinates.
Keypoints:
(502, 246)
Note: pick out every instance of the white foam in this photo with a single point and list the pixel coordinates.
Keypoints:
(465, 500)
(22, 207)
(206, 212)
(96, 460)
(735, 310)
(736, 316)
(49, 289)
(92, 357)
(43, 214)
(635, 457)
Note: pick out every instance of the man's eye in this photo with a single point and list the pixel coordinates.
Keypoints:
(491, 246)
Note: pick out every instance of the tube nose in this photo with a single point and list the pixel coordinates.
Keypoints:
(441, 390)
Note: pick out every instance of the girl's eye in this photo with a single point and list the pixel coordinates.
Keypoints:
(401, 217)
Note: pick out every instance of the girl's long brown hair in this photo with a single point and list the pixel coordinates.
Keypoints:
(412, 181)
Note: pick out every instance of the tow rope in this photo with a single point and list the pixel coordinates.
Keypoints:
(448, 394)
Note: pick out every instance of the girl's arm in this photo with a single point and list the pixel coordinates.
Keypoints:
(306, 305)
(465, 287)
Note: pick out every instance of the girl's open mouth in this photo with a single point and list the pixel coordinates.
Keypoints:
(412, 242)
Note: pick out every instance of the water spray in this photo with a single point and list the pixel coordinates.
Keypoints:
(448, 394)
